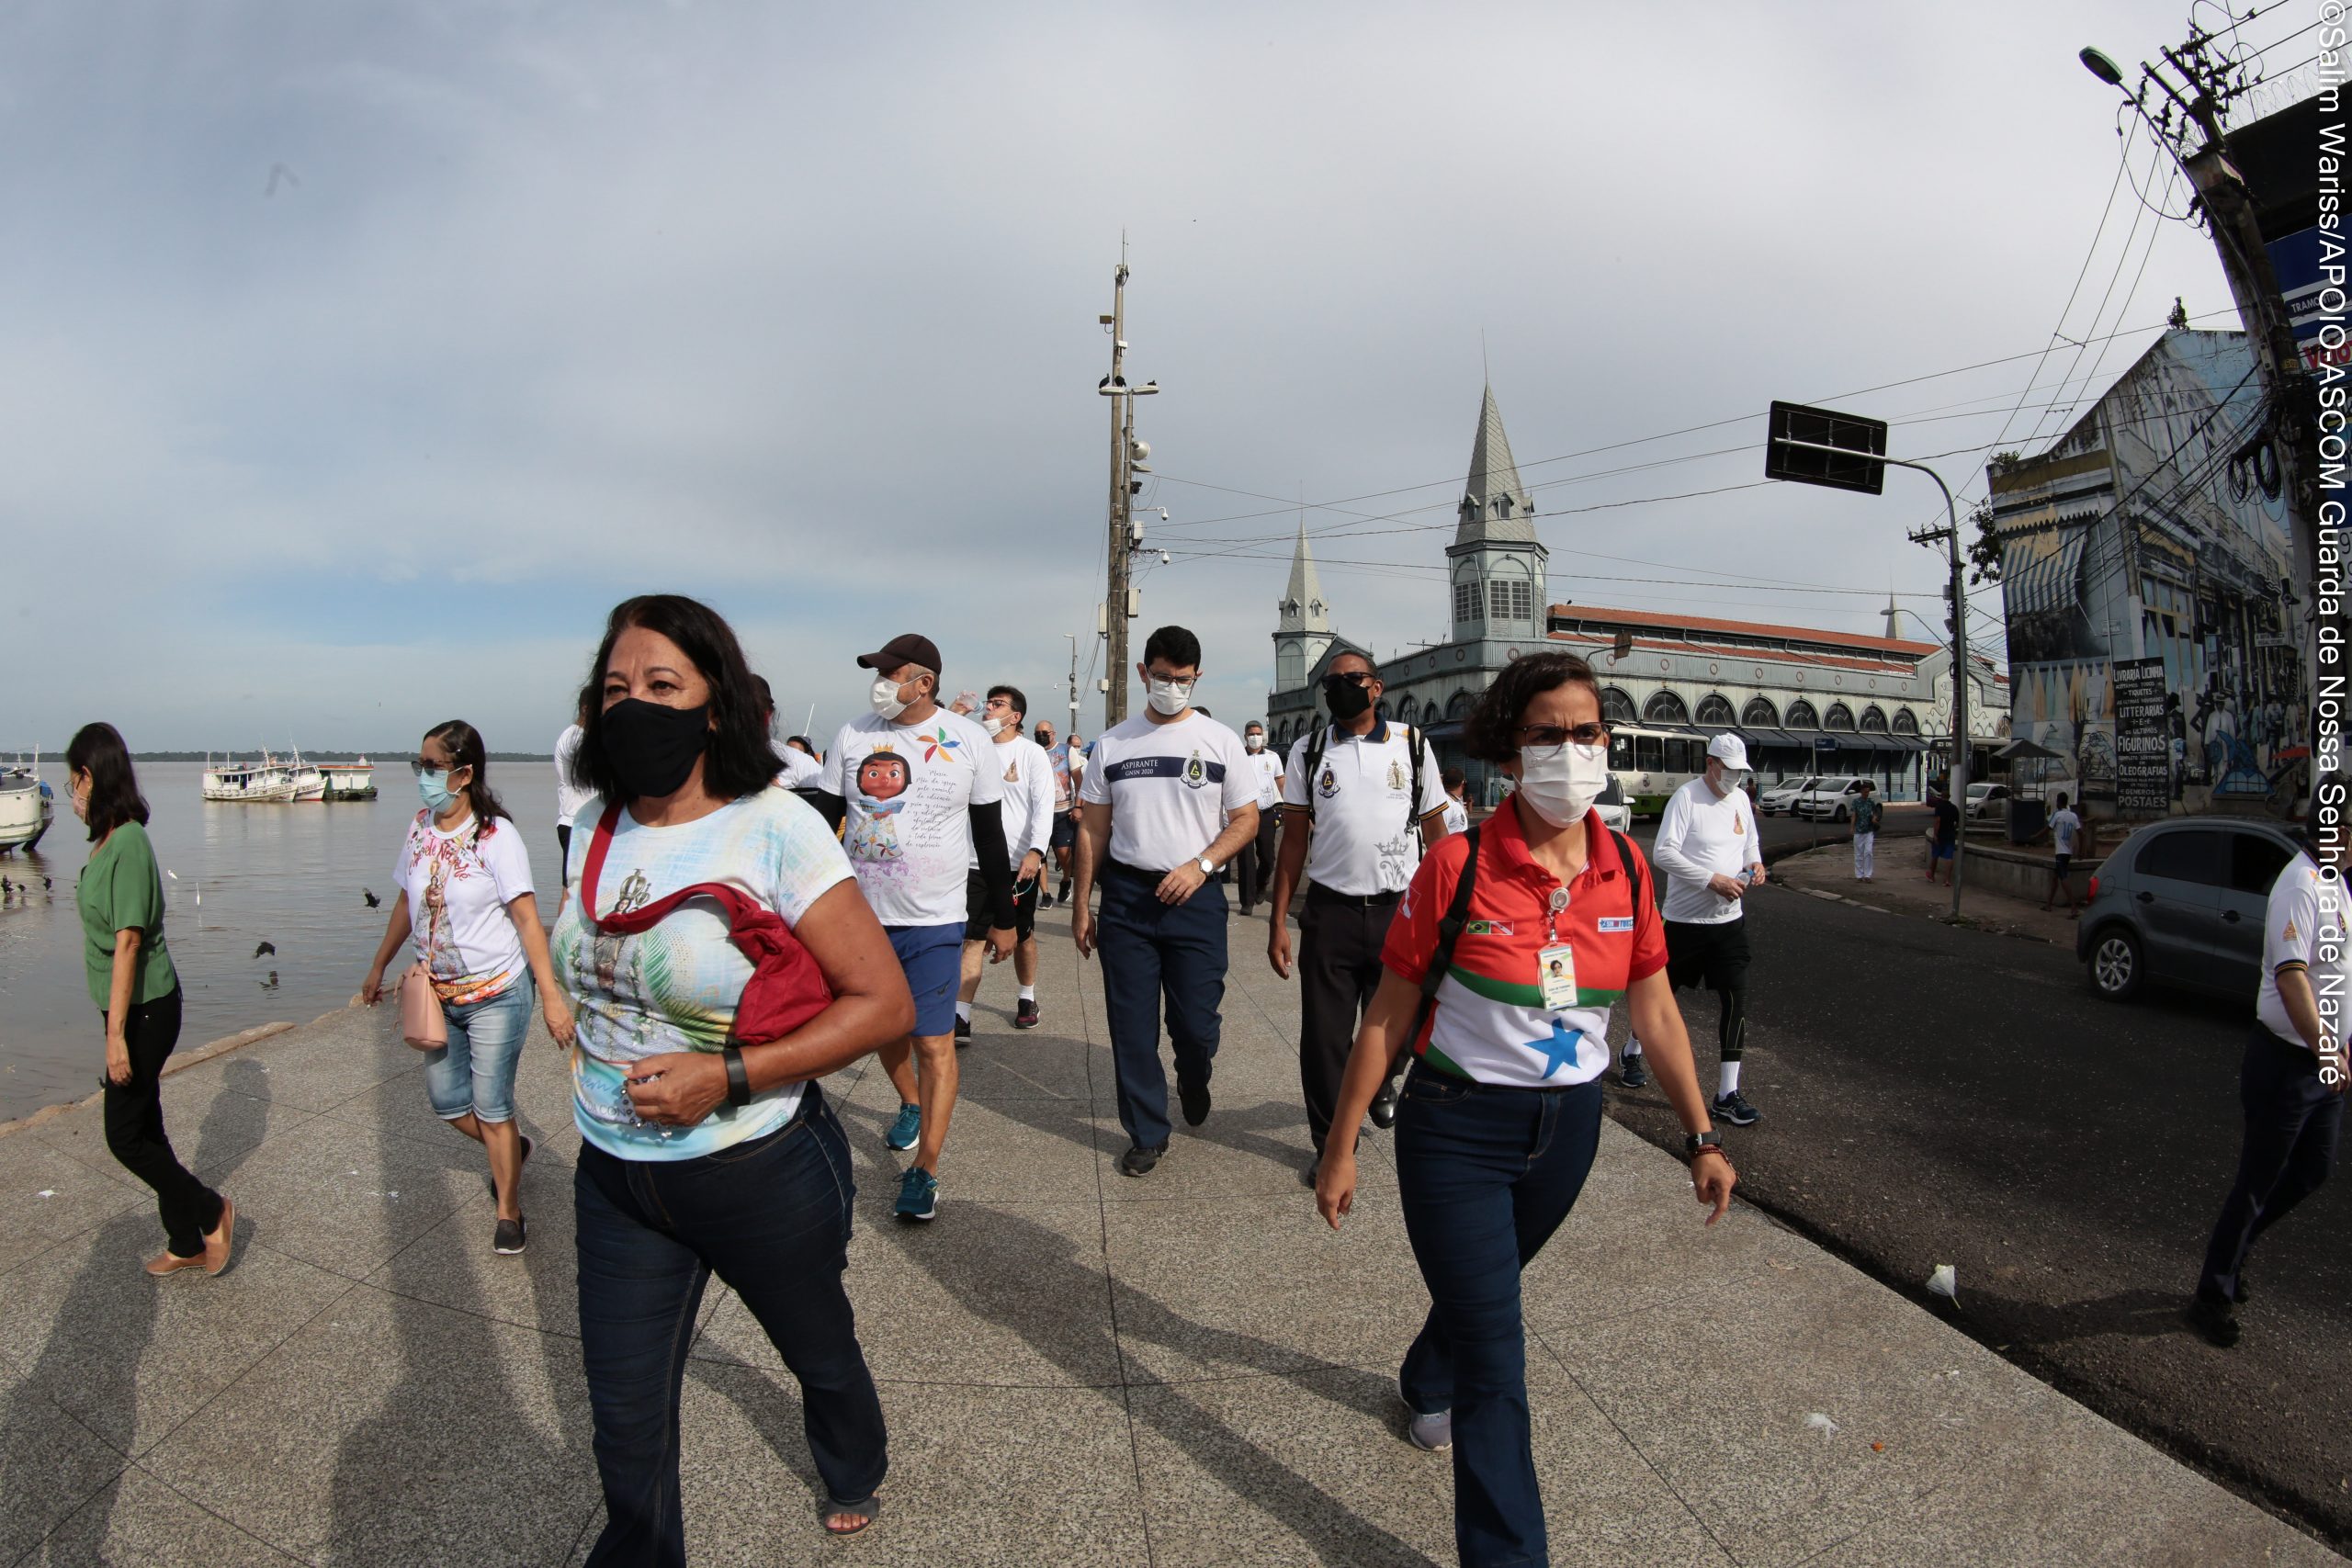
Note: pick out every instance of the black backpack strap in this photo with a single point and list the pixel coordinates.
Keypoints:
(1449, 931)
(1632, 868)
(1315, 744)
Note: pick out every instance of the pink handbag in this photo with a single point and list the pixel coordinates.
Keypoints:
(423, 1024)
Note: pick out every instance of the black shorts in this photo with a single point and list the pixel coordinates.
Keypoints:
(1065, 831)
(2062, 863)
(977, 917)
(1715, 956)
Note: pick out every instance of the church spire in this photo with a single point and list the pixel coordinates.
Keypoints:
(1302, 608)
(1496, 508)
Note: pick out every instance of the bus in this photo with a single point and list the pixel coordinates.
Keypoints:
(1650, 764)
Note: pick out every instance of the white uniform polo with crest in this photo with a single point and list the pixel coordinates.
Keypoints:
(1170, 787)
(1367, 816)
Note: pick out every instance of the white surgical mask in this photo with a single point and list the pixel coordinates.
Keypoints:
(885, 697)
(1170, 698)
(994, 726)
(1734, 779)
(1561, 783)
(1255, 742)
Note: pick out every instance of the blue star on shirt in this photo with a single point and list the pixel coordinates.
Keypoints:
(1560, 1050)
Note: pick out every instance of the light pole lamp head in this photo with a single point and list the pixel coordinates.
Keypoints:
(2100, 66)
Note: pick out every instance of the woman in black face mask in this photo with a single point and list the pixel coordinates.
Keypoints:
(701, 1154)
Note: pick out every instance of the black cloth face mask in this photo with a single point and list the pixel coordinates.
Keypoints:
(653, 747)
(1346, 700)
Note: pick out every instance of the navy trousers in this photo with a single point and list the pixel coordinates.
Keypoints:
(1153, 951)
(1485, 1174)
(2292, 1123)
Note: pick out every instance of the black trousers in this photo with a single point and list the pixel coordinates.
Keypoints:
(563, 853)
(1338, 968)
(2292, 1125)
(1256, 861)
(134, 1119)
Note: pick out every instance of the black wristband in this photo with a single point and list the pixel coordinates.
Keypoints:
(739, 1080)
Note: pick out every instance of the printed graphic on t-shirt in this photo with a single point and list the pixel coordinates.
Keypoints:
(909, 791)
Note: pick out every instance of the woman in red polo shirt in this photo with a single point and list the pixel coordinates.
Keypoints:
(1500, 1113)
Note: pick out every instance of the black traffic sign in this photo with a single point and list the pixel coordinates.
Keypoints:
(1858, 440)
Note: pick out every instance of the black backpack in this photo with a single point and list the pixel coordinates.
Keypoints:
(1414, 744)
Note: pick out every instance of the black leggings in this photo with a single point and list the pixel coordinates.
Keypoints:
(134, 1119)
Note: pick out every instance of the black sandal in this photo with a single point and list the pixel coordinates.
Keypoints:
(871, 1506)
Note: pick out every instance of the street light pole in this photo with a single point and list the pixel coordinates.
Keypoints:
(1115, 602)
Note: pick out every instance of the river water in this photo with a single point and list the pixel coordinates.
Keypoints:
(290, 875)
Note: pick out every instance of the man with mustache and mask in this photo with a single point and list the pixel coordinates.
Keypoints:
(1360, 799)
(1257, 854)
(1149, 828)
(928, 818)
(1708, 847)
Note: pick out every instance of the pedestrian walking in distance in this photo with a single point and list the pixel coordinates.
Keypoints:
(1712, 855)
(1458, 807)
(917, 791)
(469, 909)
(1867, 813)
(1364, 797)
(1028, 812)
(700, 1153)
(1943, 834)
(1069, 759)
(569, 796)
(2291, 1084)
(1151, 802)
(119, 897)
(1256, 861)
(2065, 829)
(1512, 945)
(794, 767)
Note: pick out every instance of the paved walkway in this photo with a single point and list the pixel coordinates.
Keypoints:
(1078, 1368)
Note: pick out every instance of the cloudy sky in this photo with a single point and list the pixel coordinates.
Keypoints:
(361, 357)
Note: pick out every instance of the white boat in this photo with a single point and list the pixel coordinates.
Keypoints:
(349, 781)
(26, 805)
(265, 780)
(310, 783)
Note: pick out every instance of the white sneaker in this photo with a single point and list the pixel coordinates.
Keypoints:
(1434, 1433)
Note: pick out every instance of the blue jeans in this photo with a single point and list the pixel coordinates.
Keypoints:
(475, 1072)
(771, 1218)
(2293, 1124)
(1484, 1175)
(1152, 951)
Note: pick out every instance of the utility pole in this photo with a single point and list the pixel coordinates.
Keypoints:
(1956, 784)
(1073, 684)
(1118, 594)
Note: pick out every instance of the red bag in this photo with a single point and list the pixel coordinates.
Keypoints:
(787, 989)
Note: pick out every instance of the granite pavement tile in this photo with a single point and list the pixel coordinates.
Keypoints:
(451, 1263)
(321, 1065)
(390, 1430)
(346, 1197)
(54, 1196)
(49, 1463)
(1247, 1148)
(138, 1520)
(212, 1125)
(1002, 1065)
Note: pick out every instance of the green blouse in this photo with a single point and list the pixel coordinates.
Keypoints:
(119, 889)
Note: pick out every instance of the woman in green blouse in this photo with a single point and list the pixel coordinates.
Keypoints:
(121, 896)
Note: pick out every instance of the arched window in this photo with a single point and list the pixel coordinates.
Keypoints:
(1714, 708)
(1616, 708)
(1839, 717)
(1801, 716)
(1665, 707)
(1873, 720)
(1760, 714)
(1458, 706)
(1906, 722)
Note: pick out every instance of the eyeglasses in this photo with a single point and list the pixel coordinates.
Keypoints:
(1550, 738)
(419, 767)
(1352, 677)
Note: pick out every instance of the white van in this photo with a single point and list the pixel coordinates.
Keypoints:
(1831, 797)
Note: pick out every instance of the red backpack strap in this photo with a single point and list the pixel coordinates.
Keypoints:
(598, 842)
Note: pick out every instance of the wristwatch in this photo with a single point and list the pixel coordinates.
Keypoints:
(739, 1080)
(1208, 866)
(1709, 1139)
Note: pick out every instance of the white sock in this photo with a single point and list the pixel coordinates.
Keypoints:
(964, 1012)
(1633, 1046)
(1028, 993)
(1729, 1083)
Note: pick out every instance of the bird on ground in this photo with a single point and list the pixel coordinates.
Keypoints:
(370, 897)
(269, 948)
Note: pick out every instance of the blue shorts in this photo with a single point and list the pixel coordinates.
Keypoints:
(933, 957)
(475, 1072)
(1065, 833)
(1939, 852)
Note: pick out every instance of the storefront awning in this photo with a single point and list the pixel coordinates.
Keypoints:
(1759, 737)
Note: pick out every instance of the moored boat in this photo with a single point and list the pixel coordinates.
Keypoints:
(266, 782)
(310, 783)
(349, 781)
(27, 806)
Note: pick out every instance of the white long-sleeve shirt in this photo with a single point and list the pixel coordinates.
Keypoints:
(1703, 835)
(1027, 804)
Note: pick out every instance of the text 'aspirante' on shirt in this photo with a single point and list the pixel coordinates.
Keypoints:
(1170, 787)
(1490, 1022)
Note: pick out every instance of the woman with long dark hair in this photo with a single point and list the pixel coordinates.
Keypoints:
(701, 1154)
(470, 907)
(1501, 968)
(121, 896)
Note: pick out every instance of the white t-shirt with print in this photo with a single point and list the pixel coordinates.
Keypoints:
(909, 789)
(2305, 919)
(1170, 787)
(464, 932)
(1366, 814)
(2064, 826)
(1699, 835)
(674, 985)
(1457, 816)
(567, 796)
(1026, 776)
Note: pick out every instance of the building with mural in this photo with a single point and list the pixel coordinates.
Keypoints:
(1806, 700)
(2145, 573)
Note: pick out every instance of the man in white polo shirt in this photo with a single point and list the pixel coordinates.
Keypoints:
(916, 789)
(1361, 798)
(1028, 812)
(2291, 1084)
(1256, 863)
(1152, 799)
(1709, 849)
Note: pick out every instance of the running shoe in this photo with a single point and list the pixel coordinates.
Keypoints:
(1139, 1160)
(906, 1129)
(508, 1238)
(918, 1194)
(1734, 1108)
(1632, 1074)
(963, 1032)
(1434, 1433)
(1063, 892)
(1026, 1015)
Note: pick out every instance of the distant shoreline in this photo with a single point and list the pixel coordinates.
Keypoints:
(389, 756)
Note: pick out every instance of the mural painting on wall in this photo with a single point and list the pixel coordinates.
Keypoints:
(2068, 708)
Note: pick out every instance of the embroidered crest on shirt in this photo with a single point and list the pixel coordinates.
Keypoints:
(1329, 785)
(1395, 777)
(1195, 773)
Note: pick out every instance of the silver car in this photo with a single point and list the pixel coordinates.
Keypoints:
(2182, 901)
(1783, 796)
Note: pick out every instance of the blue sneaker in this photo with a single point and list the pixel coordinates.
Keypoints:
(906, 1129)
(918, 1194)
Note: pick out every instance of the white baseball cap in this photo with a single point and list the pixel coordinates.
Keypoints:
(1732, 750)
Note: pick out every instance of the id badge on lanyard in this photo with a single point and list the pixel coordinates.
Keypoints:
(1556, 965)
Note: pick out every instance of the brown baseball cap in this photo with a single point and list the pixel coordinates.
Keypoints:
(907, 648)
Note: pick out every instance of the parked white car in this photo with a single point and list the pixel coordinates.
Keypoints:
(1613, 809)
(1988, 800)
(1830, 798)
(1783, 796)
